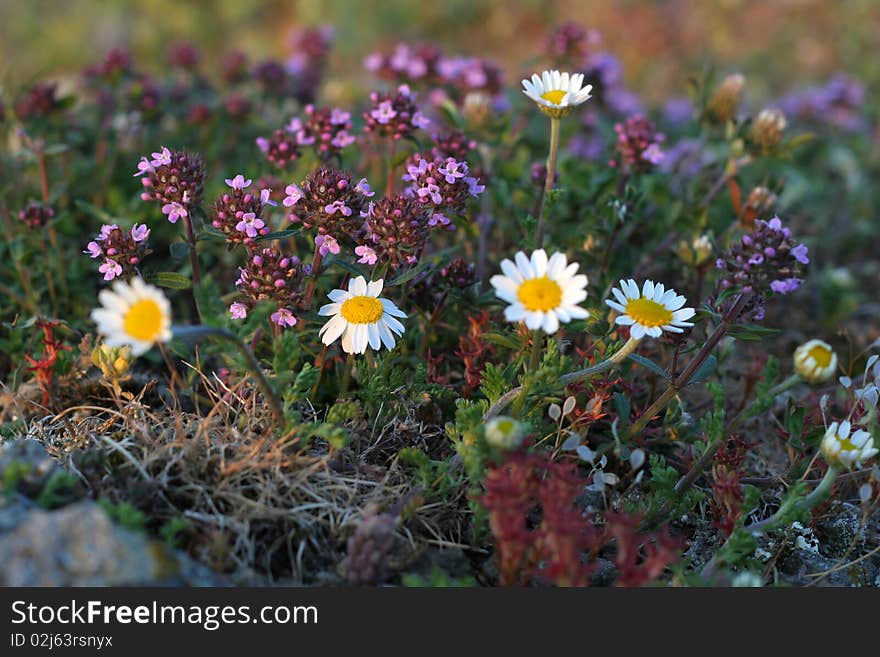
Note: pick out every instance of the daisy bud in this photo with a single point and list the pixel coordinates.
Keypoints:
(113, 362)
(505, 433)
(695, 253)
(723, 104)
(815, 361)
(845, 448)
(768, 128)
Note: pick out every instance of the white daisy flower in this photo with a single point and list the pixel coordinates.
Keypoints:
(541, 292)
(815, 361)
(555, 93)
(844, 447)
(361, 317)
(135, 314)
(650, 311)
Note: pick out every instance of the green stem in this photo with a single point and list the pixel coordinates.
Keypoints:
(504, 400)
(548, 181)
(346, 375)
(819, 495)
(687, 374)
(196, 332)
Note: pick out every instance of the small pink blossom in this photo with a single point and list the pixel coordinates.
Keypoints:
(294, 194)
(327, 244)
(338, 206)
(265, 197)
(94, 250)
(138, 233)
(364, 188)
(174, 211)
(238, 182)
(283, 317)
(238, 310)
(367, 255)
(111, 269)
(384, 112)
(250, 224)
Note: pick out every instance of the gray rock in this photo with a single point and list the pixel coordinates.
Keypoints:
(796, 565)
(33, 463)
(841, 534)
(80, 546)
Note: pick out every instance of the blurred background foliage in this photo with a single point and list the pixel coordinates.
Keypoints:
(778, 44)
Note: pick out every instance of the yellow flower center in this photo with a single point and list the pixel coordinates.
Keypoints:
(846, 445)
(554, 97)
(362, 310)
(820, 355)
(540, 294)
(143, 321)
(648, 312)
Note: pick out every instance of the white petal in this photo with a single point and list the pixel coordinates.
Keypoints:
(339, 296)
(539, 262)
(534, 319)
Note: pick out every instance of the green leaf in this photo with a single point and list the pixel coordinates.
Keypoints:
(502, 340)
(751, 332)
(650, 364)
(179, 250)
(351, 267)
(705, 370)
(172, 280)
(279, 235)
(98, 213)
(410, 274)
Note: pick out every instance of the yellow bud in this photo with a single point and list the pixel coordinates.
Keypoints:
(114, 362)
(723, 104)
(504, 432)
(815, 361)
(695, 253)
(768, 128)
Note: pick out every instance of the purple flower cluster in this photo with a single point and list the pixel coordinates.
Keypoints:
(239, 214)
(443, 184)
(395, 231)
(120, 251)
(406, 63)
(839, 101)
(175, 179)
(326, 129)
(38, 101)
(281, 149)
(36, 215)
(394, 115)
(453, 144)
(305, 66)
(330, 202)
(766, 261)
(604, 71)
(638, 145)
(270, 275)
(570, 43)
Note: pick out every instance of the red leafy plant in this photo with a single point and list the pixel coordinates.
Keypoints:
(542, 536)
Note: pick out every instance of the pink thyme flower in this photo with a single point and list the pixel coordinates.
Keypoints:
(111, 269)
(364, 188)
(338, 206)
(238, 182)
(174, 211)
(367, 255)
(94, 250)
(238, 310)
(138, 233)
(250, 224)
(283, 317)
(384, 112)
(327, 244)
(266, 197)
(294, 195)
